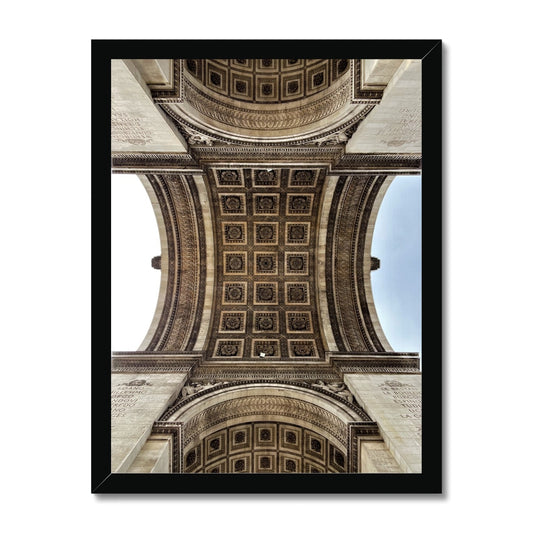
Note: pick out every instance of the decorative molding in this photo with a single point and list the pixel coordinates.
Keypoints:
(376, 369)
(166, 354)
(174, 429)
(360, 96)
(152, 163)
(181, 314)
(351, 207)
(330, 269)
(357, 432)
(173, 250)
(375, 362)
(373, 366)
(201, 250)
(174, 95)
(205, 134)
(159, 367)
(358, 257)
(260, 370)
(340, 363)
(153, 363)
(235, 153)
(371, 355)
(395, 163)
(195, 389)
(267, 405)
(267, 119)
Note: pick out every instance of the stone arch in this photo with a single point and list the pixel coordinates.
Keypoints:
(323, 114)
(255, 423)
(367, 267)
(164, 263)
(179, 309)
(355, 205)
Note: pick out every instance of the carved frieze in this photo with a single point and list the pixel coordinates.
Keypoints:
(352, 323)
(381, 163)
(181, 314)
(266, 119)
(289, 153)
(235, 125)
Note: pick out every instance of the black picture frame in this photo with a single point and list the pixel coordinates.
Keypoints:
(430, 480)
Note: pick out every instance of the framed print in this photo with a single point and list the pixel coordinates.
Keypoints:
(260, 234)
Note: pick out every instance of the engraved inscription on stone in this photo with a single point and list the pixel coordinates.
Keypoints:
(382, 460)
(129, 129)
(126, 396)
(406, 395)
(405, 129)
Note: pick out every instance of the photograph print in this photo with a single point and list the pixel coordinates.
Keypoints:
(266, 251)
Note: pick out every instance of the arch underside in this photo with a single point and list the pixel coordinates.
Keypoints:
(269, 446)
(180, 315)
(295, 110)
(266, 428)
(267, 280)
(354, 321)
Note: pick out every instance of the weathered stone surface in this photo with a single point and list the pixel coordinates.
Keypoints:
(137, 125)
(394, 402)
(137, 400)
(375, 457)
(395, 125)
(155, 456)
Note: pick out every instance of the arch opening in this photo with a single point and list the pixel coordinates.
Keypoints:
(394, 290)
(252, 427)
(138, 235)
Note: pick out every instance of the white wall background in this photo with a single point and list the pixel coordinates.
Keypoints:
(134, 283)
(46, 312)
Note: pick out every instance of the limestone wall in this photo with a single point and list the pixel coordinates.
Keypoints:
(395, 124)
(137, 400)
(137, 124)
(155, 456)
(376, 458)
(394, 403)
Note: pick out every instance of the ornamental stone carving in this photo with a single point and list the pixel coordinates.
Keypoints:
(192, 388)
(208, 118)
(338, 388)
(267, 119)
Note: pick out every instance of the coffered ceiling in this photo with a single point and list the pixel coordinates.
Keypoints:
(266, 234)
